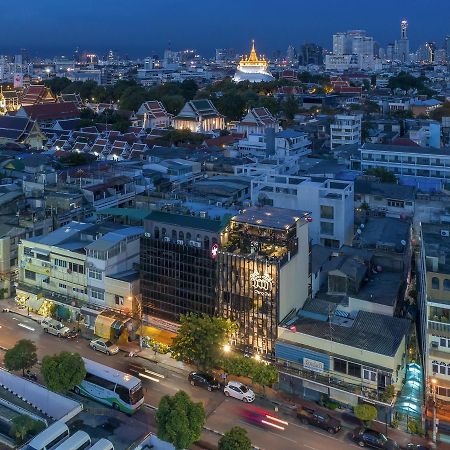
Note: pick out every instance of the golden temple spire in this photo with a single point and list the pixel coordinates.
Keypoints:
(253, 56)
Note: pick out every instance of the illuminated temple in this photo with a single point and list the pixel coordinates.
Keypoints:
(253, 69)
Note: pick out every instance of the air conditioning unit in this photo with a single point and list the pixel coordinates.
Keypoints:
(445, 233)
(166, 239)
(219, 204)
(203, 214)
(180, 241)
(147, 235)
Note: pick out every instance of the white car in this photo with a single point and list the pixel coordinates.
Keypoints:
(102, 345)
(54, 327)
(239, 391)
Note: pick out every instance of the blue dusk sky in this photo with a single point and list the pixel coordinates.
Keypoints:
(144, 27)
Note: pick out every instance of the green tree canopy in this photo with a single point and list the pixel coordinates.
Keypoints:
(74, 159)
(200, 339)
(406, 81)
(290, 107)
(180, 421)
(385, 176)
(57, 84)
(235, 439)
(22, 356)
(366, 413)
(24, 426)
(63, 372)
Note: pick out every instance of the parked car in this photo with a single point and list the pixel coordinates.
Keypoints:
(102, 345)
(365, 437)
(204, 380)
(52, 326)
(239, 391)
(318, 419)
(73, 334)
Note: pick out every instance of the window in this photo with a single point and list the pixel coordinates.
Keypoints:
(100, 381)
(396, 203)
(369, 375)
(42, 257)
(30, 275)
(446, 284)
(326, 228)
(354, 370)
(123, 393)
(443, 342)
(60, 263)
(98, 294)
(435, 283)
(27, 251)
(78, 268)
(174, 234)
(443, 369)
(118, 300)
(435, 367)
(62, 286)
(95, 274)
(181, 236)
(340, 365)
(326, 212)
(156, 232)
(188, 236)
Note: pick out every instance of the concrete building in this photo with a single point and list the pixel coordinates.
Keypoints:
(345, 130)
(330, 203)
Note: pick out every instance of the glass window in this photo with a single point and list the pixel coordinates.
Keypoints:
(443, 342)
(326, 212)
(446, 284)
(326, 228)
(443, 369)
(354, 370)
(156, 231)
(174, 234)
(340, 365)
(123, 393)
(181, 236)
(188, 236)
(30, 275)
(435, 367)
(95, 274)
(435, 283)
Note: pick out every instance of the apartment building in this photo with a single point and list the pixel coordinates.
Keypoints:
(409, 161)
(330, 203)
(345, 130)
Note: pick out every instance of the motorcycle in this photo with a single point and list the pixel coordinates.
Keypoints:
(30, 375)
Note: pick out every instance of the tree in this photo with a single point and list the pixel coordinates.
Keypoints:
(63, 372)
(180, 421)
(76, 159)
(385, 176)
(235, 439)
(23, 426)
(57, 84)
(264, 374)
(366, 413)
(22, 356)
(290, 107)
(200, 339)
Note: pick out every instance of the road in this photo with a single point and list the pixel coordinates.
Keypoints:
(222, 413)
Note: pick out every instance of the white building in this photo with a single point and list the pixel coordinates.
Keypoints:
(257, 121)
(281, 145)
(346, 129)
(331, 203)
(254, 69)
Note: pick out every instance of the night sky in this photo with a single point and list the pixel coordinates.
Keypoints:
(145, 27)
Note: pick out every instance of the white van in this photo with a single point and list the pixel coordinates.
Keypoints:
(102, 444)
(54, 327)
(78, 441)
(49, 438)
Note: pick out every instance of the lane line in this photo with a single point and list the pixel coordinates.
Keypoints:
(25, 326)
(268, 431)
(308, 446)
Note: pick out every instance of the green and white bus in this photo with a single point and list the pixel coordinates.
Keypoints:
(111, 387)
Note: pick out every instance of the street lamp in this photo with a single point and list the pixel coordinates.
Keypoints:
(226, 348)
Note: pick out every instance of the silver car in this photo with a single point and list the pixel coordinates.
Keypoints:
(102, 345)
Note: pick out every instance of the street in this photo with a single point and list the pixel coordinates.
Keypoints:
(222, 413)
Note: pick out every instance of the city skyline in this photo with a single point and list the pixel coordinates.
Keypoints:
(141, 30)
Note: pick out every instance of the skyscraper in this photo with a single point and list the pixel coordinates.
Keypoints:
(310, 54)
(401, 47)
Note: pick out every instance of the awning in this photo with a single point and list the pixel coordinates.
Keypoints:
(89, 312)
(344, 397)
(316, 387)
(35, 303)
(410, 401)
(103, 326)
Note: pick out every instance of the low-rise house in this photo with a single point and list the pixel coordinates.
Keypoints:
(387, 199)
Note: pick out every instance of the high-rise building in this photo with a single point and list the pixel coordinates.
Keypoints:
(291, 54)
(148, 63)
(310, 54)
(224, 55)
(447, 46)
(401, 47)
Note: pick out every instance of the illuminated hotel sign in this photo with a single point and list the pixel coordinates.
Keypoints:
(262, 284)
(214, 251)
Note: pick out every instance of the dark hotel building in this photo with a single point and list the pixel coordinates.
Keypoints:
(252, 268)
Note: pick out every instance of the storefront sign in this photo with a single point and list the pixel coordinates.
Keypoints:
(262, 284)
(312, 364)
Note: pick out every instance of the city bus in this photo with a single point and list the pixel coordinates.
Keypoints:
(119, 390)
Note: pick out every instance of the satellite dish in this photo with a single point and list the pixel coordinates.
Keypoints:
(362, 226)
(403, 242)
(358, 231)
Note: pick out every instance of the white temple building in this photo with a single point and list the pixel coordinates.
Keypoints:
(253, 69)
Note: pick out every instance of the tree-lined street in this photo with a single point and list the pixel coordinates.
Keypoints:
(222, 413)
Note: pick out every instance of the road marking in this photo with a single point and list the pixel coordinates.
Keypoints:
(26, 326)
(268, 431)
(308, 446)
(15, 318)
